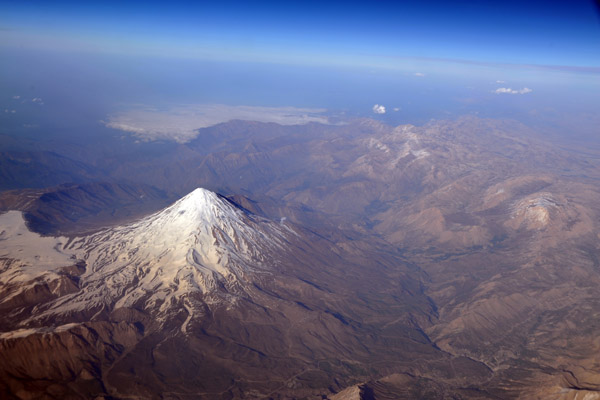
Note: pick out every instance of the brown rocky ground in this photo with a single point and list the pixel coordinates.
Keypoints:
(500, 228)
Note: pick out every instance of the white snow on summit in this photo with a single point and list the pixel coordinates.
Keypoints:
(201, 245)
(197, 242)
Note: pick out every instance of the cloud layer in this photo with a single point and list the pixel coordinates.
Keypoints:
(181, 123)
(512, 91)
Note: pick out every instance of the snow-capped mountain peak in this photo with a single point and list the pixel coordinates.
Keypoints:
(202, 245)
(200, 207)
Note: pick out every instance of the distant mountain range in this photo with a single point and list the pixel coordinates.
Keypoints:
(459, 259)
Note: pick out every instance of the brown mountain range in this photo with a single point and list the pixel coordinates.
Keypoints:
(459, 259)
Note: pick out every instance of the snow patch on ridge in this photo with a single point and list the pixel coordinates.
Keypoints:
(25, 255)
(21, 333)
(535, 211)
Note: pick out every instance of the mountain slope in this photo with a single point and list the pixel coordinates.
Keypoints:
(77, 208)
(202, 243)
(205, 299)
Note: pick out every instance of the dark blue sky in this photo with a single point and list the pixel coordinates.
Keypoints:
(382, 33)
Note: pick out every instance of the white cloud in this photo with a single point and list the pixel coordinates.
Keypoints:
(36, 100)
(16, 97)
(419, 74)
(181, 123)
(499, 81)
(512, 91)
(378, 109)
(396, 109)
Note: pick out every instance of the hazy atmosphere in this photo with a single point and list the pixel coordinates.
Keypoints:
(529, 61)
(300, 200)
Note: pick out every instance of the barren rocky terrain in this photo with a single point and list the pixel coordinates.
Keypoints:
(459, 259)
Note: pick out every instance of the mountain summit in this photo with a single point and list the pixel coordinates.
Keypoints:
(202, 248)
